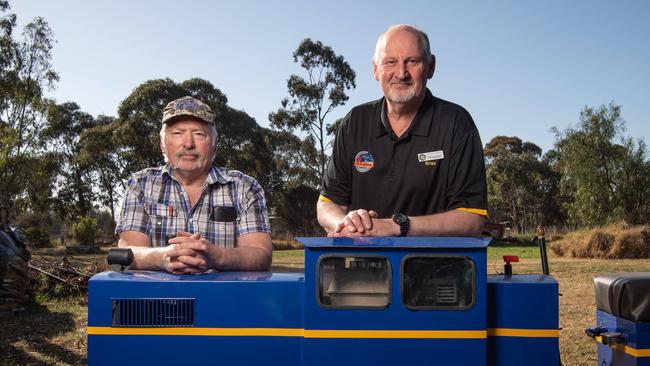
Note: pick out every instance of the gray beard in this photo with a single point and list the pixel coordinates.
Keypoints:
(401, 98)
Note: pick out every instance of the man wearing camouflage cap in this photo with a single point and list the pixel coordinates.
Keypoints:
(190, 216)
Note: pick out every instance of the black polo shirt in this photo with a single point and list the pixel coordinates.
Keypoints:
(435, 166)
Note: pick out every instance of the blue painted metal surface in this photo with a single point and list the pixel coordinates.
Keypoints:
(397, 242)
(243, 318)
(355, 352)
(637, 338)
(266, 299)
(223, 300)
(396, 316)
(193, 350)
(523, 304)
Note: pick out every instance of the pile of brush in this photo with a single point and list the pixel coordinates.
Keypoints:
(617, 241)
(61, 277)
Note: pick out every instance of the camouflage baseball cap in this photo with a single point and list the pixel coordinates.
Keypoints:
(188, 106)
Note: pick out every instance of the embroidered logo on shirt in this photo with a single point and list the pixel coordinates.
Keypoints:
(363, 161)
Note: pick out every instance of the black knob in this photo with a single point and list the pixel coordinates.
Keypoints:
(120, 256)
(612, 338)
(595, 331)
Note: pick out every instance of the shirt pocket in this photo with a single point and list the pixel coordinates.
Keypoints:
(224, 233)
(163, 224)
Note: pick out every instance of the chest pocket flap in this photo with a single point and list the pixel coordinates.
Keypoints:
(158, 209)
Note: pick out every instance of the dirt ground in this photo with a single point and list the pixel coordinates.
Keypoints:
(53, 332)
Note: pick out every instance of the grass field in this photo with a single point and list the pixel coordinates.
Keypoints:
(52, 332)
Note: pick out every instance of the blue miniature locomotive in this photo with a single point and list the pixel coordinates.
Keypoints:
(363, 301)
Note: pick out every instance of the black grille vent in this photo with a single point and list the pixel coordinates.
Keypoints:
(143, 313)
(446, 294)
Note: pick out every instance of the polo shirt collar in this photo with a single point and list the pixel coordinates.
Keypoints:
(215, 175)
(421, 124)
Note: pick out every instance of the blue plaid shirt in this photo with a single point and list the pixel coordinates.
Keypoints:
(231, 204)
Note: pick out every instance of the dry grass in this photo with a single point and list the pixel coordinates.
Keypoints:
(286, 244)
(577, 303)
(610, 242)
(53, 332)
(49, 333)
(288, 261)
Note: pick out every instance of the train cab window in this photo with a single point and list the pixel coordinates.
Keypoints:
(438, 282)
(353, 282)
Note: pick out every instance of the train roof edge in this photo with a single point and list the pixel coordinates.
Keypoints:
(396, 242)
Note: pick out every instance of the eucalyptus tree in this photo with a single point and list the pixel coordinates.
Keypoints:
(605, 174)
(311, 99)
(25, 74)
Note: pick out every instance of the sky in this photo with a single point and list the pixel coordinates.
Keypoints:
(518, 67)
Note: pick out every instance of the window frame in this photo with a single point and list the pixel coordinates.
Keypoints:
(437, 308)
(323, 257)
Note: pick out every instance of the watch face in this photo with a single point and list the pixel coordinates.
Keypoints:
(400, 218)
(403, 222)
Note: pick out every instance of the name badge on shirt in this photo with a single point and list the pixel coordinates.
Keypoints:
(431, 156)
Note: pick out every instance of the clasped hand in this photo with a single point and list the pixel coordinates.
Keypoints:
(363, 223)
(187, 253)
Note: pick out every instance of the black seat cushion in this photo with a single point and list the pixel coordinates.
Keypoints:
(626, 295)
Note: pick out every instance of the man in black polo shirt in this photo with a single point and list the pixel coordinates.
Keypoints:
(409, 163)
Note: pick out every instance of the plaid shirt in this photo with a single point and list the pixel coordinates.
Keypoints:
(231, 204)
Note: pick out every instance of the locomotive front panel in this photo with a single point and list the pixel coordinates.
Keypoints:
(239, 318)
(420, 301)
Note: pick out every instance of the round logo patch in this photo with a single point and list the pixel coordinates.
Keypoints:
(363, 161)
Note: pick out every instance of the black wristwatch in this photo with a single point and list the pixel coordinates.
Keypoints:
(403, 222)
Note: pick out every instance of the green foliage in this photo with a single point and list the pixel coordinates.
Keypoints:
(99, 153)
(244, 145)
(65, 123)
(310, 100)
(41, 297)
(85, 231)
(37, 227)
(38, 236)
(290, 153)
(46, 289)
(522, 186)
(25, 72)
(605, 175)
(297, 208)
(105, 227)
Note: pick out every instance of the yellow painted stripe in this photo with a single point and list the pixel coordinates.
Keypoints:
(324, 333)
(291, 332)
(402, 334)
(477, 211)
(643, 352)
(526, 333)
(233, 332)
(324, 199)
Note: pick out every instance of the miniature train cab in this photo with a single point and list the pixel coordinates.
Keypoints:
(362, 301)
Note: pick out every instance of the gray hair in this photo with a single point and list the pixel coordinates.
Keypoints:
(423, 41)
